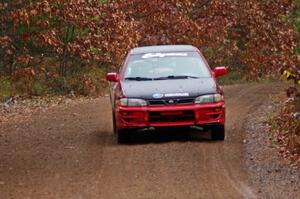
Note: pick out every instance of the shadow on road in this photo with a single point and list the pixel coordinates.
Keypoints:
(167, 135)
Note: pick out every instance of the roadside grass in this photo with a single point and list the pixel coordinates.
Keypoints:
(237, 77)
(87, 82)
(6, 88)
(233, 77)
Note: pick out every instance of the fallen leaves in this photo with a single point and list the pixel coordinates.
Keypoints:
(287, 131)
(18, 108)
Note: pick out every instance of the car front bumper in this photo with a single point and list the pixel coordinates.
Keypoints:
(172, 115)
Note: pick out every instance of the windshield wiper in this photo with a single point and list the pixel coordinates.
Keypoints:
(139, 78)
(176, 77)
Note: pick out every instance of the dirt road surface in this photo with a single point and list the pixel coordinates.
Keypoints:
(70, 152)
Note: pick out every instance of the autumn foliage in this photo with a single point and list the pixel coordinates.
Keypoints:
(287, 123)
(256, 37)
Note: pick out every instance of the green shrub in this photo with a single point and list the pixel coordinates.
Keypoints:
(60, 85)
(232, 77)
(22, 87)
(6, 88)
(90, 82)
(38, 88)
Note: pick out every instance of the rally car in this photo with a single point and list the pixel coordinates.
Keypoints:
(166, 86)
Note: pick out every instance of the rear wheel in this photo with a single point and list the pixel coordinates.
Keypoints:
(218, 132)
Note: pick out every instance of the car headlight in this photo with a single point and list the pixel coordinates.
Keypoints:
(132, 102)
(209, 99)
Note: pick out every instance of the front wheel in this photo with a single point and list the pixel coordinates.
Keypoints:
(121, 135)
(218, 132)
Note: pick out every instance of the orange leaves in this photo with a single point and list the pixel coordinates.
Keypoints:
(33, 12)
(7, 46)
(50, 38)
(268, 36)
(256, 35)
(24, 74)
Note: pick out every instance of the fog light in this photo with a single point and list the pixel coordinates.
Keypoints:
(218, 109)
(124, 113)
(146, 117)
(197, 115)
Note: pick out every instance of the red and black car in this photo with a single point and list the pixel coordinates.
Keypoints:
(167, 86)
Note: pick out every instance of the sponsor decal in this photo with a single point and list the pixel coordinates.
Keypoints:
(158, 96)
(171, 101)
(152, 55)
(177, 95)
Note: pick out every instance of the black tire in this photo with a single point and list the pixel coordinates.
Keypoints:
(218, 132)
(122, 136)
(114, 123)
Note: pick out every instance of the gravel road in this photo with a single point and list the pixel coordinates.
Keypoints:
(70, 152)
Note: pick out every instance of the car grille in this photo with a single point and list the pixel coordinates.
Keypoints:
(162, 102)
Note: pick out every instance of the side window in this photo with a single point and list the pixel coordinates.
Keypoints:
(122, 64)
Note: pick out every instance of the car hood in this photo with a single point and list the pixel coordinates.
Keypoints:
(168, 88)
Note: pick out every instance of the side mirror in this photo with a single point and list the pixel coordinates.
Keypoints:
(112, 77)
(219, 71)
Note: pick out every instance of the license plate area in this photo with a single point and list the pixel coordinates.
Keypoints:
(172, 116)
(171, 113)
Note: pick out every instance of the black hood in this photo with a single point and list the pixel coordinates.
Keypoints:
(169, 88)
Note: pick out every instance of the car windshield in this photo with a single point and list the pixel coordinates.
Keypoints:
(161, 66)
